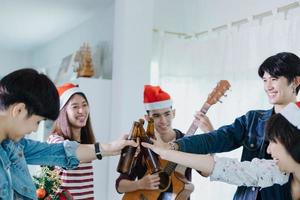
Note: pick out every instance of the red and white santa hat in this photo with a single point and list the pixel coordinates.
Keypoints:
(292, 113)
(66, 91)
(156, 98)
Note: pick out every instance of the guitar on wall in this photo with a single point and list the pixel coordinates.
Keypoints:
(173, 173)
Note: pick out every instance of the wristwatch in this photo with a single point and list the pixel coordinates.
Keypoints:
(97, 151)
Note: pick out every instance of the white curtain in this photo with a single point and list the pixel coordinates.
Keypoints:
(190, 68)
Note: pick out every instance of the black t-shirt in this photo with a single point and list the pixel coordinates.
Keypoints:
(140, 170)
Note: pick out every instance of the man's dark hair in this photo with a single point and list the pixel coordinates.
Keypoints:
(278, 128)
(35, 90)
(284, 64)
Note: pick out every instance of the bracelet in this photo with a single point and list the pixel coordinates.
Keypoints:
(97, 151)
(173, 145)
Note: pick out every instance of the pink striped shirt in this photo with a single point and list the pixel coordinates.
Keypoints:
(79, 181)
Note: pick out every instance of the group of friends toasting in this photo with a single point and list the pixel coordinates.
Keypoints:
(270, 163)
(162, 161)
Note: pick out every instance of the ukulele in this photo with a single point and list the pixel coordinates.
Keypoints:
(182, 188)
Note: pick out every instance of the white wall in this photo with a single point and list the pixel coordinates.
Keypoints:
(212, 13)
(200, 15)
(171, 14)
(131, 70)
(96, 29)
(11, 60)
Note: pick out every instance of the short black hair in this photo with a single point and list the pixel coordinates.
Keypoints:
(278, 128)
(35, 90)
(282, 64)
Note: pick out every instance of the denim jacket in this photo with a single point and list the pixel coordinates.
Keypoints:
(15, 179)
(246, 131)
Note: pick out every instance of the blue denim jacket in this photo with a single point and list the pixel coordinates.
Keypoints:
(15, 180)
(246, 131)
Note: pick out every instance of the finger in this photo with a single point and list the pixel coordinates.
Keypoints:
(147, 145)
(154, 176)
(131, 143)
(156, 184)
(154, 187)
(197, 116)
(153, 140)
(155, 180)
(199, 113)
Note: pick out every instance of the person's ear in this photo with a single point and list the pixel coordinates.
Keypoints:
(18, 109)
(174, 112)
(297, 81)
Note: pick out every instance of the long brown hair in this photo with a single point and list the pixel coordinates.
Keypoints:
(62, 126)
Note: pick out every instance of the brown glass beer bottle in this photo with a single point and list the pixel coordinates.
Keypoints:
(150, 129)
(150, 157)
(127, 156)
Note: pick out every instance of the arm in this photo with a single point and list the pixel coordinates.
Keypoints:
(69, 153)
(203, 163)
(202, 121)
(260, 173)
(224, 139)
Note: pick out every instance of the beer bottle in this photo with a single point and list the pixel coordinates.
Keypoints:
(126, 161)
(150, 157)
(150, 129)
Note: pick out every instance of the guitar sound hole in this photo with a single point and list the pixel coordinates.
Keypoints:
(164, 181)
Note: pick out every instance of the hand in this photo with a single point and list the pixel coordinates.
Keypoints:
(115, 147)
(159, 142)
(157, 149)
(149, 182)
(203, 122)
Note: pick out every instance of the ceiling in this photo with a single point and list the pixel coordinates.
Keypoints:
(27, 24)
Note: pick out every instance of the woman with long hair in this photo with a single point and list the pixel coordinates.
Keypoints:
(73, 123)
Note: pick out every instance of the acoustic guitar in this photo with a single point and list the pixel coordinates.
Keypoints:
(173, 173)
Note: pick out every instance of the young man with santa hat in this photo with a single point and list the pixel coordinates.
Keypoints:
(158, 105)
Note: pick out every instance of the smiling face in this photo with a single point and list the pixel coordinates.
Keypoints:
(278, 90)
(279, 153)
(77, 111)
(163, 119)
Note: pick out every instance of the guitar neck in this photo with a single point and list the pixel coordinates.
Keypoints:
(192, 129)
(170, 167)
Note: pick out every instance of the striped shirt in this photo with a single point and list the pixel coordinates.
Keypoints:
(79, 181)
